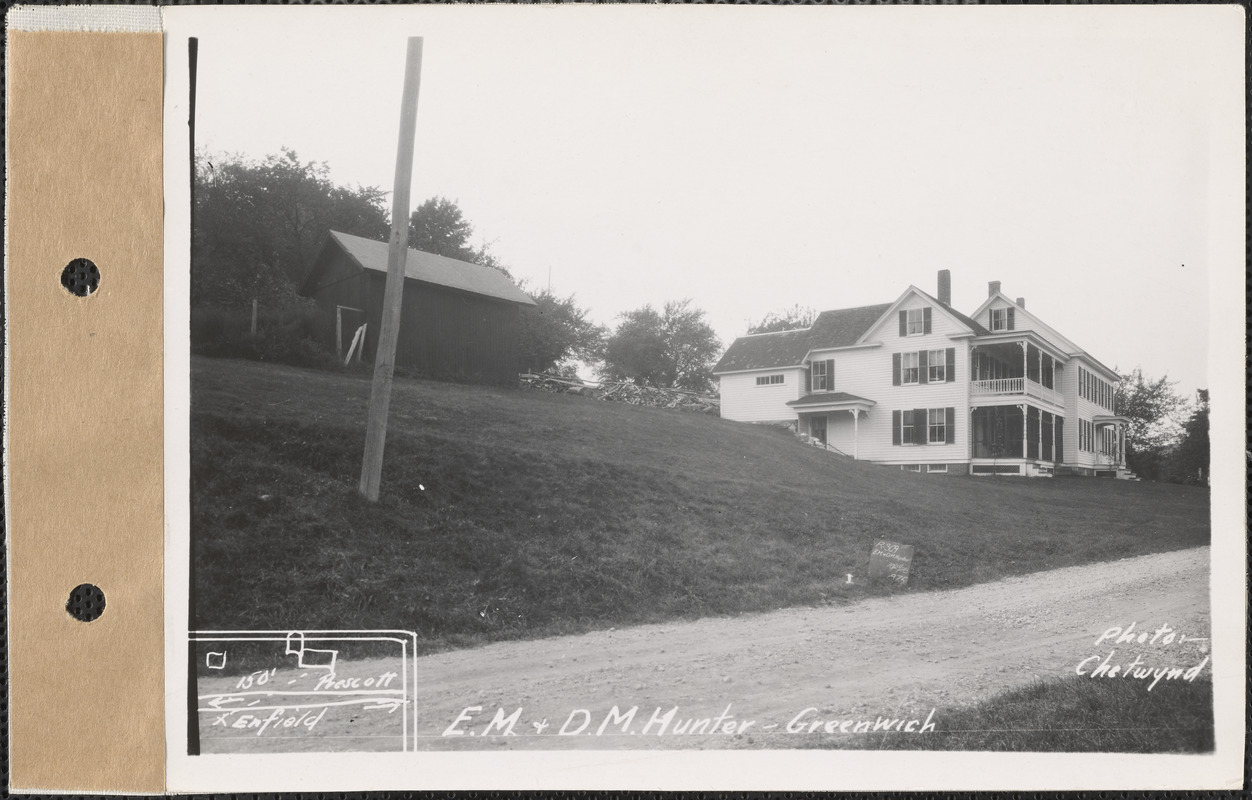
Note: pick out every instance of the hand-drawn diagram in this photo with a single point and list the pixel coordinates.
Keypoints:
(305, 690)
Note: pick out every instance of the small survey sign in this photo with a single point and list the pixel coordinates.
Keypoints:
(890, 561)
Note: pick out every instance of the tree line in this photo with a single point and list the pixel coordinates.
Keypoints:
(256, 228)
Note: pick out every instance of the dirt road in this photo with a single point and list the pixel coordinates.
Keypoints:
(897, 657)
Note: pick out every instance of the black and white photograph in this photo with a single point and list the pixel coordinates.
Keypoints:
(676, 391)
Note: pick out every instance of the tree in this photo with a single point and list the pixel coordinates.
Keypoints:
(1153, 407)
(1189, 462)
(555, 330)
(795, 318)
(439, 226)
(675, 347)
(258, 225)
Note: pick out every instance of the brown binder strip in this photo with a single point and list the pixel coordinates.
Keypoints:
(85, 469)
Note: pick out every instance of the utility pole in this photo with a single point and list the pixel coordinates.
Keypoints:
(385, 357)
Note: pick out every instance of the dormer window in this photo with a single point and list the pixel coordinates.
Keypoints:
(1001, 319)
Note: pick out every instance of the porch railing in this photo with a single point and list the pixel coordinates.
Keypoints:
(1024, 386)
(999, 386)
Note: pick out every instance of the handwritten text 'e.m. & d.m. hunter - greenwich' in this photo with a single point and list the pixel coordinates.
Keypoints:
(1161, 663)
(473, 721)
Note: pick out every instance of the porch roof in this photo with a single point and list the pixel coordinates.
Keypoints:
(1013, 337)
(1110, 419)
(830, 400)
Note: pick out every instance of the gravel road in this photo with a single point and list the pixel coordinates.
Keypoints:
(897, 657)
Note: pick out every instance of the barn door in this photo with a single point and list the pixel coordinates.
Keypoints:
(347, 320)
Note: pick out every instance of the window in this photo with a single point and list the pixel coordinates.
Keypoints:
(938, 428)
(999, 319)
(1086, 436)
(908, 368)
(936, 467)
(935, 363)
(911, 467)
(923, 426)
(915, 322)
(768, 380)
(821, 382)
(906, 427)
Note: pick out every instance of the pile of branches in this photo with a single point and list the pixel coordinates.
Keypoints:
(627, 392)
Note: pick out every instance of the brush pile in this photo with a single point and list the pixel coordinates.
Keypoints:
(627, 392)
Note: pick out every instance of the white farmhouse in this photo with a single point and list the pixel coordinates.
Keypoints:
(916, 383)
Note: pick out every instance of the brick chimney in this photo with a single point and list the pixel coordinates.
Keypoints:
(945, 287)
(993, 288)
(1021, 302)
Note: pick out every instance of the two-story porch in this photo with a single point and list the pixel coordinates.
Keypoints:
(1017, 409)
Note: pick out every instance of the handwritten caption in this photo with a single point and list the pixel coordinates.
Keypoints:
(299, 703)
(1163, 643)
(472, 721)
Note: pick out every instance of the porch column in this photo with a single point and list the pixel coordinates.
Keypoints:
(856, 416)
(1023, 346)
(1121, 444)
(1025, 426)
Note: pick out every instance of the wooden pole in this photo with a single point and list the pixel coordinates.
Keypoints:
(385, 356)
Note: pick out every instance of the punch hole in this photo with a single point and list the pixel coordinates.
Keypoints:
(86, 603)
(80, 277)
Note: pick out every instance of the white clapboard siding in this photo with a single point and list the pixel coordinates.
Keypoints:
(1080, 408)
(867, 373)
(744, 401)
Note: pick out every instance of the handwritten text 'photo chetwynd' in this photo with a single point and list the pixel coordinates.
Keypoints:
(1163, 640)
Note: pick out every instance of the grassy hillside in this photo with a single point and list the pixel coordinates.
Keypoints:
(507, 513)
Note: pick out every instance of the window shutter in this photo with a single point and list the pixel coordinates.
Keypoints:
(904, 323)
(923, 371)
(895, 427)
(1058, 430)
(949, 423)
(895, 370)
(830, 374)
(926, 319)
(1010, 318)
(921, 426)
(808, 379)
(949, 369)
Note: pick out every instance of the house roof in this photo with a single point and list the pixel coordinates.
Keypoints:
(826, 398)
(839, 328)
(765, 351)
(423, 266)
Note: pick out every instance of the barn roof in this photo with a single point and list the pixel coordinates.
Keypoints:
(423, 266)
(839, 328)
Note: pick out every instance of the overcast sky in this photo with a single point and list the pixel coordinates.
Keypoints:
(755, 158)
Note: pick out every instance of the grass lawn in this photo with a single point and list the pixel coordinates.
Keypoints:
(509, 513)
(1074, 715)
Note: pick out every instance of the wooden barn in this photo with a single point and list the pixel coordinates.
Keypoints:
(458, 321)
